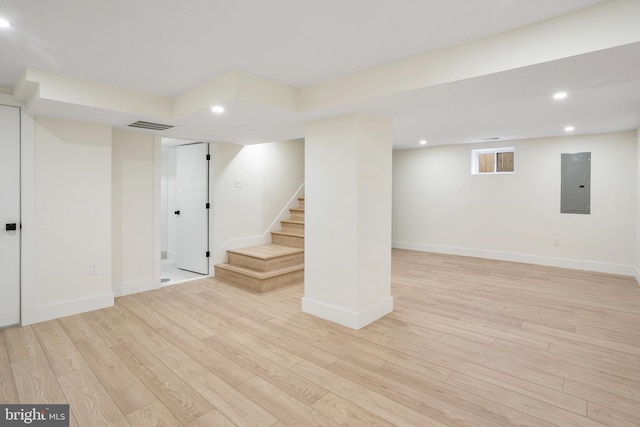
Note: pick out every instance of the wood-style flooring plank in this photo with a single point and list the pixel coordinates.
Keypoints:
(36, 382)
(224, 367)
(8, 392)
(298, 387)
(148, 315)
(150, 338)
(276, 355)
(77, 327)
(185, 403)
(520, 402)
(417, 397)
(337, 349)
(606, 396)
(344, 413)
(288, 409)
(118, 379)
(58, 347)
(611, 417)
(379, 404)
(225, 398)
(154, 414)
(452, 358)
(210, 419)
(21, 343)
(91, 403)
(111, 332)
(226, 319)
(178, 317)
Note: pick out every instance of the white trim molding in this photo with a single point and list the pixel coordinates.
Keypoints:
(575, 264)
(350, 319)
(69, 308)
(135, 286)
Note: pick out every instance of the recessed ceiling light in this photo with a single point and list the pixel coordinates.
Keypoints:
(217, 109)
(423, 142)
(569, 129)
(4, 23)
(560, 95)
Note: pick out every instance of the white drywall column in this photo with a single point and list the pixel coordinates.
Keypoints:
(348, 219)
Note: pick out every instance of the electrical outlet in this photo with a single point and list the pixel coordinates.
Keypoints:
(238, 182)
(556, 241)
(93, 269)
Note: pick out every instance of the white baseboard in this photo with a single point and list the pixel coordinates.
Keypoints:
(134, 287)
(637, 275)
(69, 308)
(348, 318)
(574, 264)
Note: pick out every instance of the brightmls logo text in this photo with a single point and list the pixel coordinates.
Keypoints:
(28, 416)
(34, 415)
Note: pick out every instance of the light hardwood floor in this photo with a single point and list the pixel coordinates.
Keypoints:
(471, 342)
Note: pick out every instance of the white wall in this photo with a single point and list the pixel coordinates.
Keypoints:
(271, 175)
(171, 156)
(637, 258)
(164, 203)
(72, 221)
(136, 210)
(439, 206)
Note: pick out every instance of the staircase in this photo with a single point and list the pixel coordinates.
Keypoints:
(267, 267)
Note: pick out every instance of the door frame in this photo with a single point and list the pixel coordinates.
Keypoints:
(198, 152)
(211, 227)
(28, 306)
(17, 219)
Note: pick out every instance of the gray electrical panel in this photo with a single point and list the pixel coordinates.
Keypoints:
(575, 189)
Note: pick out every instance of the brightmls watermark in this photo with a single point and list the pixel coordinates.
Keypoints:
(34, 415)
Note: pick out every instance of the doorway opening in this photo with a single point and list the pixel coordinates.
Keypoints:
(185, 211)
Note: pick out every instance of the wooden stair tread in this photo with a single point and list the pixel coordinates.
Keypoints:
(292, 221)
(266, 252)
(289, 233)
(259, 274)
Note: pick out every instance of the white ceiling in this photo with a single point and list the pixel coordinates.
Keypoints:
(168, 47)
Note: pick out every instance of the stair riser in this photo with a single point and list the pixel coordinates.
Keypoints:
(272, 264)
(286, 226)
(293, 241)
(258, 285)
(300, 204)
(297, 215)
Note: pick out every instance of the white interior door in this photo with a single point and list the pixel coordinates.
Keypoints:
(192, 196)
(9, 215)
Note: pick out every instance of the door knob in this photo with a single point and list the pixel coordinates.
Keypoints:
(177, 212)
(10, 227)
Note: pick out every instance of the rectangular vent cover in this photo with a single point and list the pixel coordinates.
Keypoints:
(149, 125)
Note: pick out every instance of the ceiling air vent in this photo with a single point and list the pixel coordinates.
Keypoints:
(149, 125)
